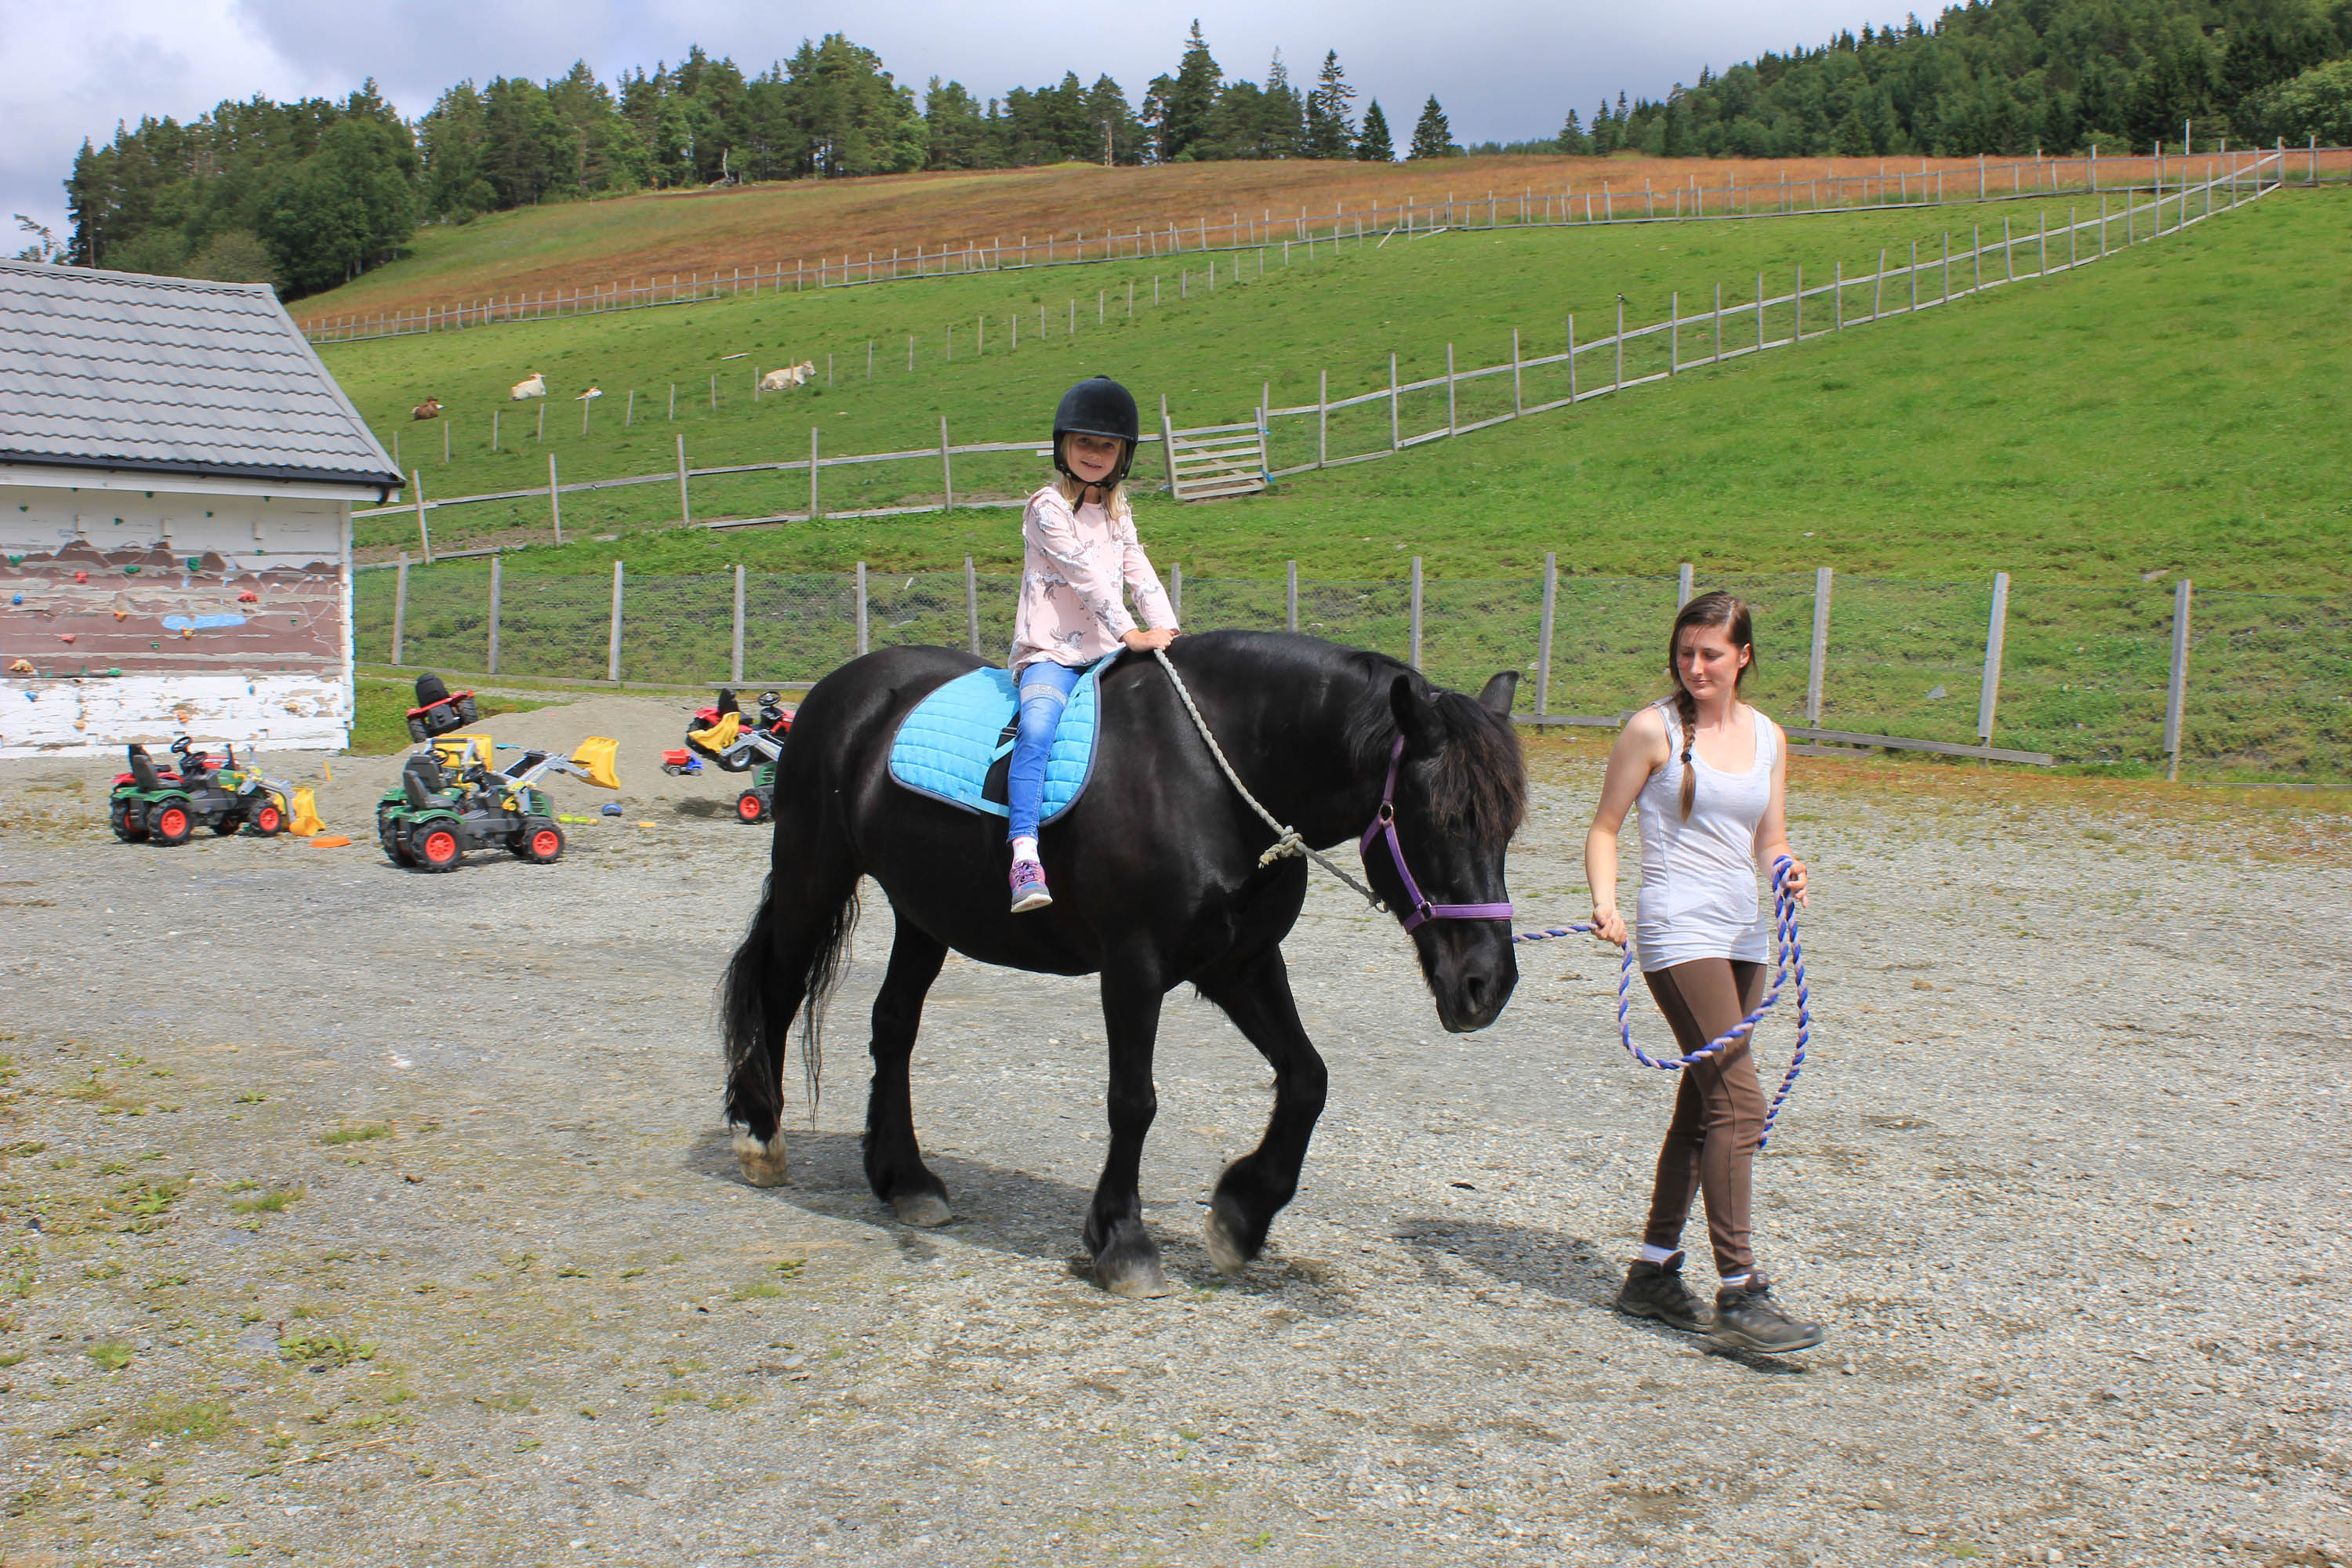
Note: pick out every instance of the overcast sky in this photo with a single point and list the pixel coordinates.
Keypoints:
(1505, 69)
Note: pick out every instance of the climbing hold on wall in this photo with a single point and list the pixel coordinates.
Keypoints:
(248, 597)
(67, 636)
(131, 570)
(81, 576)
(21, 667)
(15, 598)
(122, 614)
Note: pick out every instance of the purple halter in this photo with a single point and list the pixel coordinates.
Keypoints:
(1422, 910)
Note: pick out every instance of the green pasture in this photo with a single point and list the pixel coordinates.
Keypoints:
(2171, 409)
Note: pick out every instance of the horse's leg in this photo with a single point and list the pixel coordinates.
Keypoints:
(894, 1161)
(1127, 1263)
(794, 947)
(1256, 993)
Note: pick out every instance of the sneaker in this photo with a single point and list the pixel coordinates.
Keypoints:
(1029, 886)
(1748, 1318)
(1656, 1290)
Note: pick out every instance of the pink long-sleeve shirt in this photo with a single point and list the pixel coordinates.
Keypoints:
(1074, 563)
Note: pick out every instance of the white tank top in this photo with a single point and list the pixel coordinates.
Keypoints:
(1698, 877)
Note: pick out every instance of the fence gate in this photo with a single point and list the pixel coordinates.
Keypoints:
(1215, 460)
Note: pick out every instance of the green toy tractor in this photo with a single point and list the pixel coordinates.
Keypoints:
(157, 806)
(450, 798)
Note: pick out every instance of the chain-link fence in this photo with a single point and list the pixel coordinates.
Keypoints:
(2077, 676)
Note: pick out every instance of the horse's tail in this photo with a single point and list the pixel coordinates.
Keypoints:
(785, 965)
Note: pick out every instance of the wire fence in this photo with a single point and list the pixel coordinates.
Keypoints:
(2137, 678)
(1362, 427)
(1605, 201)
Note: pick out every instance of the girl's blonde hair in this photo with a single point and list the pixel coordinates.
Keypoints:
(1115, 503)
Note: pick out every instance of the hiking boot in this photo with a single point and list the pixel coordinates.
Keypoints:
(1747, 1318)
(1656, 1290)
(1029, 886)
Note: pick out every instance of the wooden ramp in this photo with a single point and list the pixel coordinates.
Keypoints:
(1215, 461)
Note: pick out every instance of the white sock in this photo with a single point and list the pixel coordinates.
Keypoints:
(1737, 1281)
(1657, 1254)
(1025, 849)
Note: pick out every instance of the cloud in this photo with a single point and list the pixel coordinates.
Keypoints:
(1505, 69)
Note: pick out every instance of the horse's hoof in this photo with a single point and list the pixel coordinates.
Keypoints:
(1228, 1248)
(762, 1163)
(1127, 1264)
(1137, 1279)
(921, 1210)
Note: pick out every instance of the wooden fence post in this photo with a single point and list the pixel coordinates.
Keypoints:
(1450, 421)
(685, 507)
(814, 510)
(497, 587)
(735, 644)
(971, 604)
(861, 608)
(1392, 404)
(612, 642)
(1683, 587)
(1167, 444)
(1543, 633)
(1571, 357)
(1718, 323)
(400, 608)
(1290, 577)
(1176, 590)
(1674, 332)
(1821, 646)
(555, 499)
(1619, 379)
(1996, 626)
(416, 488)
(1323, 420)
(947, 472)
(2176, 697)
(1415, 660)
(1518, 402)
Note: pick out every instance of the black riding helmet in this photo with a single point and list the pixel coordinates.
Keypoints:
(1097, 406)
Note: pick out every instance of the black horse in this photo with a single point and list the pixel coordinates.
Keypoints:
(1157, 882)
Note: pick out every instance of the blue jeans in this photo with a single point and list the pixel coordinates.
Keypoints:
(1045, 692)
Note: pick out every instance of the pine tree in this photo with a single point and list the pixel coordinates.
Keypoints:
(1191, 102)
(1431, 137)
(1330, 130)
(1372, 145)
(1573, 141)
(1604, 130)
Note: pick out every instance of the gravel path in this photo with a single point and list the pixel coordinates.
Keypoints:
(353, 1215)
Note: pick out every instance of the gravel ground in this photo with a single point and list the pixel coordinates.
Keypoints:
(354, 1216)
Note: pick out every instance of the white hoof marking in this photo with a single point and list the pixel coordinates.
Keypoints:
(763, 1164)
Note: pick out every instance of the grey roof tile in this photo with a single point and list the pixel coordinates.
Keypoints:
(170, 373)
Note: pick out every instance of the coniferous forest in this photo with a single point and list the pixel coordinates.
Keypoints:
(308, 194)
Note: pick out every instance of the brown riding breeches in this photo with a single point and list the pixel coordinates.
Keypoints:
(1710, 1145)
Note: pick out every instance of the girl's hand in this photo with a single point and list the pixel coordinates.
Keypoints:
(1143, 641)
(1795, 881)
(1608, 926)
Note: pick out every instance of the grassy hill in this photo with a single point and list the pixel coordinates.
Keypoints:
(2172, 408)
(583, 244)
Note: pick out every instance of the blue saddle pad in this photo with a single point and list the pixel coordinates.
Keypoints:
(953, 746)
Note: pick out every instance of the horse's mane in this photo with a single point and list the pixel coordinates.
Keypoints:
(1478, 780)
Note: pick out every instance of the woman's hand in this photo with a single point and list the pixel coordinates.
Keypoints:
(1795, 881)
(1608, 926)
(1151, 641)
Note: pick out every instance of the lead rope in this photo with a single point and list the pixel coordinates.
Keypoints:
(1792, 955)
(1287, 841)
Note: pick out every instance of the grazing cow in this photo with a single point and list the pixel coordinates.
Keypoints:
(428, 409)
(790, 376)
(535, 385)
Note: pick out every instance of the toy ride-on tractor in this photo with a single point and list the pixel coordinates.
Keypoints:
(167, 807)
(452, 798)
(738, 743)
(437, 711)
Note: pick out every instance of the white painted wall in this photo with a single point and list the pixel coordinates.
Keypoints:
(42, 718)
(304, 705)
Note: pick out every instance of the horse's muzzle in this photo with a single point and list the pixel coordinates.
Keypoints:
(1472, 970)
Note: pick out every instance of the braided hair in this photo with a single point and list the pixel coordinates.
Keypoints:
(1716, 609)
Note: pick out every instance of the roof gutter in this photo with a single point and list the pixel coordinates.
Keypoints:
(55, 470)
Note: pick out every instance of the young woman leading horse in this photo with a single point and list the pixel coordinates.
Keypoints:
(1163, 879)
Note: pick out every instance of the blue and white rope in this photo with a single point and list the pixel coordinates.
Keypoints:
(1790, 956)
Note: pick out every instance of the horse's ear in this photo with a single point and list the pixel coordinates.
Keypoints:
(1499, 692)
(1413, 718)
